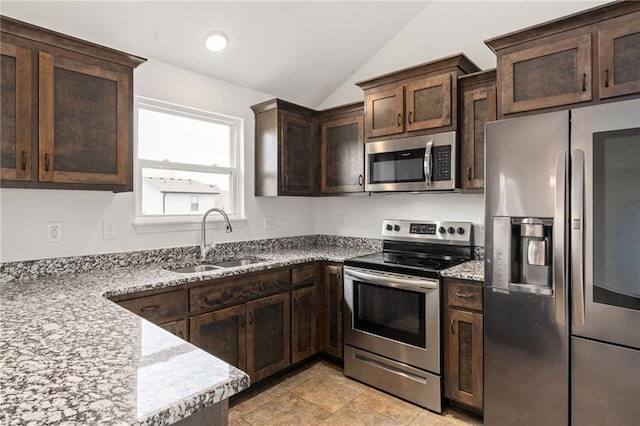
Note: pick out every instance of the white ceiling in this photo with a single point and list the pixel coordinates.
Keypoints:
(299, 51)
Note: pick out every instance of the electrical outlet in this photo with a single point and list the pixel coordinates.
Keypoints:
(54, 232)
(109, 231)
(269, 222)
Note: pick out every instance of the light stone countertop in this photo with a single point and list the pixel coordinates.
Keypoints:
(69, 355)
(472, 270)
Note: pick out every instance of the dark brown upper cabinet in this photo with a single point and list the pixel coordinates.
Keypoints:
(619, 56)
(286, 150)
(17, 110)
(69, 111)
(417, 100)
(342, 149)
(478, 101)
(579, 59)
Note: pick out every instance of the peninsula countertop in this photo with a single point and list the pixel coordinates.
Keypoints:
(68, 354)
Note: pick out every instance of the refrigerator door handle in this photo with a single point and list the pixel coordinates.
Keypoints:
(577, 236)
(559, 236)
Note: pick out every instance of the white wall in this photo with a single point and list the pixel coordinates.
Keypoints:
(24, 213)
(459, 30)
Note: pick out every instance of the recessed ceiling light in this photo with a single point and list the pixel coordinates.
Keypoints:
(216, 41)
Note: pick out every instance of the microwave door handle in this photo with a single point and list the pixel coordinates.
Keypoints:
(427, 162)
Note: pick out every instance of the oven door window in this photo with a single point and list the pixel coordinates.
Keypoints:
(397, 166)
(389, 312)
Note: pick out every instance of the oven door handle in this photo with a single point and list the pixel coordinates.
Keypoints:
(388, 280)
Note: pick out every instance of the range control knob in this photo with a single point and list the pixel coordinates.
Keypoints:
(442, 230)
(389, 228)
(396, 227)
(451, 230)
(460, 230)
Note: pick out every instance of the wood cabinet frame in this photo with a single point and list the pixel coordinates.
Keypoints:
(23, 85)
(358, 185)
(607, 86)
(333, 270)
(371, 98)
(443, 81)
(583, 67)
(297, 353)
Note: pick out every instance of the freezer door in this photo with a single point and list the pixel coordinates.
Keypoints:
(605, 222)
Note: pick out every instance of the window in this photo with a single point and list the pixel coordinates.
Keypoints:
(187, 162)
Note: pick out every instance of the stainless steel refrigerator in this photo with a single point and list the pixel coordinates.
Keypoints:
(562, 268)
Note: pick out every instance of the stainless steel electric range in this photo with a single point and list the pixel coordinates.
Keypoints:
(392, 299)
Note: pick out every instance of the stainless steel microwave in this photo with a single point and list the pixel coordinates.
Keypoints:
(419, 163)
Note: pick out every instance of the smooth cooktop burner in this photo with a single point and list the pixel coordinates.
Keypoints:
(434, 263)
(409, 263)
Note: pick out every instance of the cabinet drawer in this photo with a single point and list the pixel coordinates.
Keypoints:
(241, 289)
(159, 308)
(304, 274)
(463, 295)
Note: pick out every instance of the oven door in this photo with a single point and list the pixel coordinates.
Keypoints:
(393, 315)
(420, 163)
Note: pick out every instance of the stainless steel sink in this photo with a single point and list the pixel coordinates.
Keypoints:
(236, 262)
(195, 268)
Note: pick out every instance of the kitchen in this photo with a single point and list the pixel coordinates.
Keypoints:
(100, 214)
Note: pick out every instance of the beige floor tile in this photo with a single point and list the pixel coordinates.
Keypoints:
(427, 418)
(288, 409)
(246, 406)
(354, 414)
(388, 405)
(330, 392)
(238, 422)
(458, 417)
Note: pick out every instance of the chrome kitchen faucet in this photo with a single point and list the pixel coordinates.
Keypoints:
(204, 247)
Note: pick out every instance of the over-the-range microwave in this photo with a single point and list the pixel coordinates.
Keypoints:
(419, 163)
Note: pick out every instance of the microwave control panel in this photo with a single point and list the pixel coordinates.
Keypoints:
(441, 163)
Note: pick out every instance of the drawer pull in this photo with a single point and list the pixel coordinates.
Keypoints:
(465, 295)
(150, 308)
(209, 301)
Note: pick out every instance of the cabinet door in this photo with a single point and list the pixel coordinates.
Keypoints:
(384, 111)
(429, 102)
(15, 122)
(268, 336)
(179, 328)
(553, 74)
(342, 155)
(299, 154)
(619, 57)
(479, 107)
(463, 367)
(333, 299)
(222, 333)
(84, 120)
(303, 323)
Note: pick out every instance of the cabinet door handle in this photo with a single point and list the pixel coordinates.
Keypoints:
(469, 174)
(208, 301)
(250, 318)
(606, 77)
(46, 162)
(465, 295)
(409, 118)
(360, 180)
(150, 308)
(286, 180)
(584, 82)
(399, 120)
(24, 160)
(241, 320)
(453, 331)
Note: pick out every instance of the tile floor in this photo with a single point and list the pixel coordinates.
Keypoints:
(319, 394)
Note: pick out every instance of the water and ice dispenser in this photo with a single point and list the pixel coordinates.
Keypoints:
(522, 256)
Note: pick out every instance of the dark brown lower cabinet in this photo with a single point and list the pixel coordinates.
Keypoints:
(303, 323)
(332, 309)
(222, 333)
(179, 328)
(463, 334)
(268, 334)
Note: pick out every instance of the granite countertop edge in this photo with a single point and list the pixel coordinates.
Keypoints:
(472, 270)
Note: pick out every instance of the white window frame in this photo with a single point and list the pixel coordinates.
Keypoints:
(161, 223)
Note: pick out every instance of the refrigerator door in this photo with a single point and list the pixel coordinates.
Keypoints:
(526, 372)
(605, 222)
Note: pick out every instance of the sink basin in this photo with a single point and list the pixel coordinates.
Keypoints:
(192, 269)
(236, 262)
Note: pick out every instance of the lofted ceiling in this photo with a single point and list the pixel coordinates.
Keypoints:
(299, 51)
